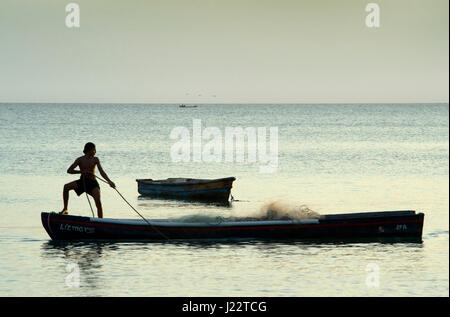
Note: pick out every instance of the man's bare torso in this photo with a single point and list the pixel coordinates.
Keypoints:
(87, 165)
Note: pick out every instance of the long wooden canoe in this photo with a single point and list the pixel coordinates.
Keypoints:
(367, 226)
(211, 190)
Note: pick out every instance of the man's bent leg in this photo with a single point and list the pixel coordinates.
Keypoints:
(68, 187)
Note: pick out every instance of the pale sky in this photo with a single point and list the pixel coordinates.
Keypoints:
(224, 51)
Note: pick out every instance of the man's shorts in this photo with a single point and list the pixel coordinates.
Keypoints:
(90, 185)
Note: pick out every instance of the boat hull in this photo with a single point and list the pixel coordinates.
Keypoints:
(400, 226)
(217, 190)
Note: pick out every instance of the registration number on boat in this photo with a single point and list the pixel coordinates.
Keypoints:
(81, 229)
(401, 228)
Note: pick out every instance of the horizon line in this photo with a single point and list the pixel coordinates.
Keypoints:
(226, 103)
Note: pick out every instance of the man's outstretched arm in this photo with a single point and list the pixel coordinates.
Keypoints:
(102, 172)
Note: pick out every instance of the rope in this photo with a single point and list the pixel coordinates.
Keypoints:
(84, 184)
(153, 227)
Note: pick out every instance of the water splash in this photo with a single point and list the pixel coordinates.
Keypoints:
(272, 210)
(283, 210)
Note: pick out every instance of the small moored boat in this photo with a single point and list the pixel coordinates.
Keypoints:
(396, 226)
(212, 190)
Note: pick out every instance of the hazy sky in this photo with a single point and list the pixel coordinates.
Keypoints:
(219, 51)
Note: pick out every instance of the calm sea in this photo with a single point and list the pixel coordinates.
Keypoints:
(332, 158)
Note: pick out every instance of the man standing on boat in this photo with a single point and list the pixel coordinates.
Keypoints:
(87, 182)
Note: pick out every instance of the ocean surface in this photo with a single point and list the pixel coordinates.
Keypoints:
(331, 158)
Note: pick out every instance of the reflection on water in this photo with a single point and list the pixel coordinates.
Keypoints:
(168, 268)
(86, 255)
(94, 250)
(167, 202)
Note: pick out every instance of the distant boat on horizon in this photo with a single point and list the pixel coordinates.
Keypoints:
(212, 190)
(184, 106)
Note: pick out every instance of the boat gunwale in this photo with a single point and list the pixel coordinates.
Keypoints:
(164, 182)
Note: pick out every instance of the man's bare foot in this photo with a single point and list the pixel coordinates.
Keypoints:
(63, 212)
